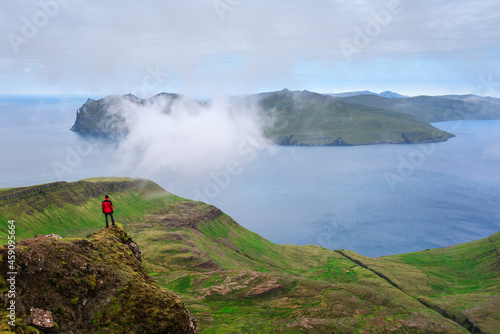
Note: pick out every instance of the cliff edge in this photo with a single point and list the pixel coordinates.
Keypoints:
(86, 285)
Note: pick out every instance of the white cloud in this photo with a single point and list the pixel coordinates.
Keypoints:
(190, 141)
(105, 46)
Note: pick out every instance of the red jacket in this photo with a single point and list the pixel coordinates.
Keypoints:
(107, 206)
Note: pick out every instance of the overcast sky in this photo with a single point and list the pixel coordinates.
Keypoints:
(205, 48)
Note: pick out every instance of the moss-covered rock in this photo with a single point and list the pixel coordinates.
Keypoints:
(90, 285)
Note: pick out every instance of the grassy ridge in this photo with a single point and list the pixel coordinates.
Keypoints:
(233, 280)
(434, 108)
(463, 280)
(74, 208)
(306, 118)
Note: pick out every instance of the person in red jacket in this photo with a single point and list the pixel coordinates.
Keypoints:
(107, 209)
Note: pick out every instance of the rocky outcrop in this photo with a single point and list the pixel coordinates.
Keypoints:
(89, 285)
(40, 318)
(15, 193)
(104, 115)
(186, 214)
(109, 115)
(244, 283)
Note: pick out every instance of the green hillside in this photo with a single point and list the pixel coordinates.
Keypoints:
(290, 118)
(233, 280)
(434, 108)
(306, 118)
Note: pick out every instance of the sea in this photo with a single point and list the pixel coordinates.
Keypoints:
(375, 200)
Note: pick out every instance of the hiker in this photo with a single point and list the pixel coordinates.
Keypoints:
(107, 209)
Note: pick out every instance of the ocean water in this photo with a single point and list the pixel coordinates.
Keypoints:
(375, 200)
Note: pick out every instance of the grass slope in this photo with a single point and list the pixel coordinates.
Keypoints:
(434, 108)
(462, 280)
(233, 280)
(306, 118)
(75, 208)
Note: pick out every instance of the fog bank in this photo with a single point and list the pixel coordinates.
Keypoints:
(184, 140)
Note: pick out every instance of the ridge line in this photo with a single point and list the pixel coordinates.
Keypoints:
(495, 248)
(467, 324)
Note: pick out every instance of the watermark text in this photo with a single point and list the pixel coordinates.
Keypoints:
(224, 6)
(11, 272)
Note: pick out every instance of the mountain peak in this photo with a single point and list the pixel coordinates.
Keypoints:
(392, 95)
(387, 94)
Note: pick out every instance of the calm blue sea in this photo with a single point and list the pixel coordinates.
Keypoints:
(375, 200)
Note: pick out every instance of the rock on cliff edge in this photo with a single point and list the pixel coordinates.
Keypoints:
(90, 285)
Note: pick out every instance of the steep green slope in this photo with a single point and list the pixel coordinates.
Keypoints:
(306, 118)
(434, 108)
(68, 208)
(462, 280)
(233, 280)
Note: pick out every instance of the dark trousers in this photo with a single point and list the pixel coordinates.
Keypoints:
(112, 219)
